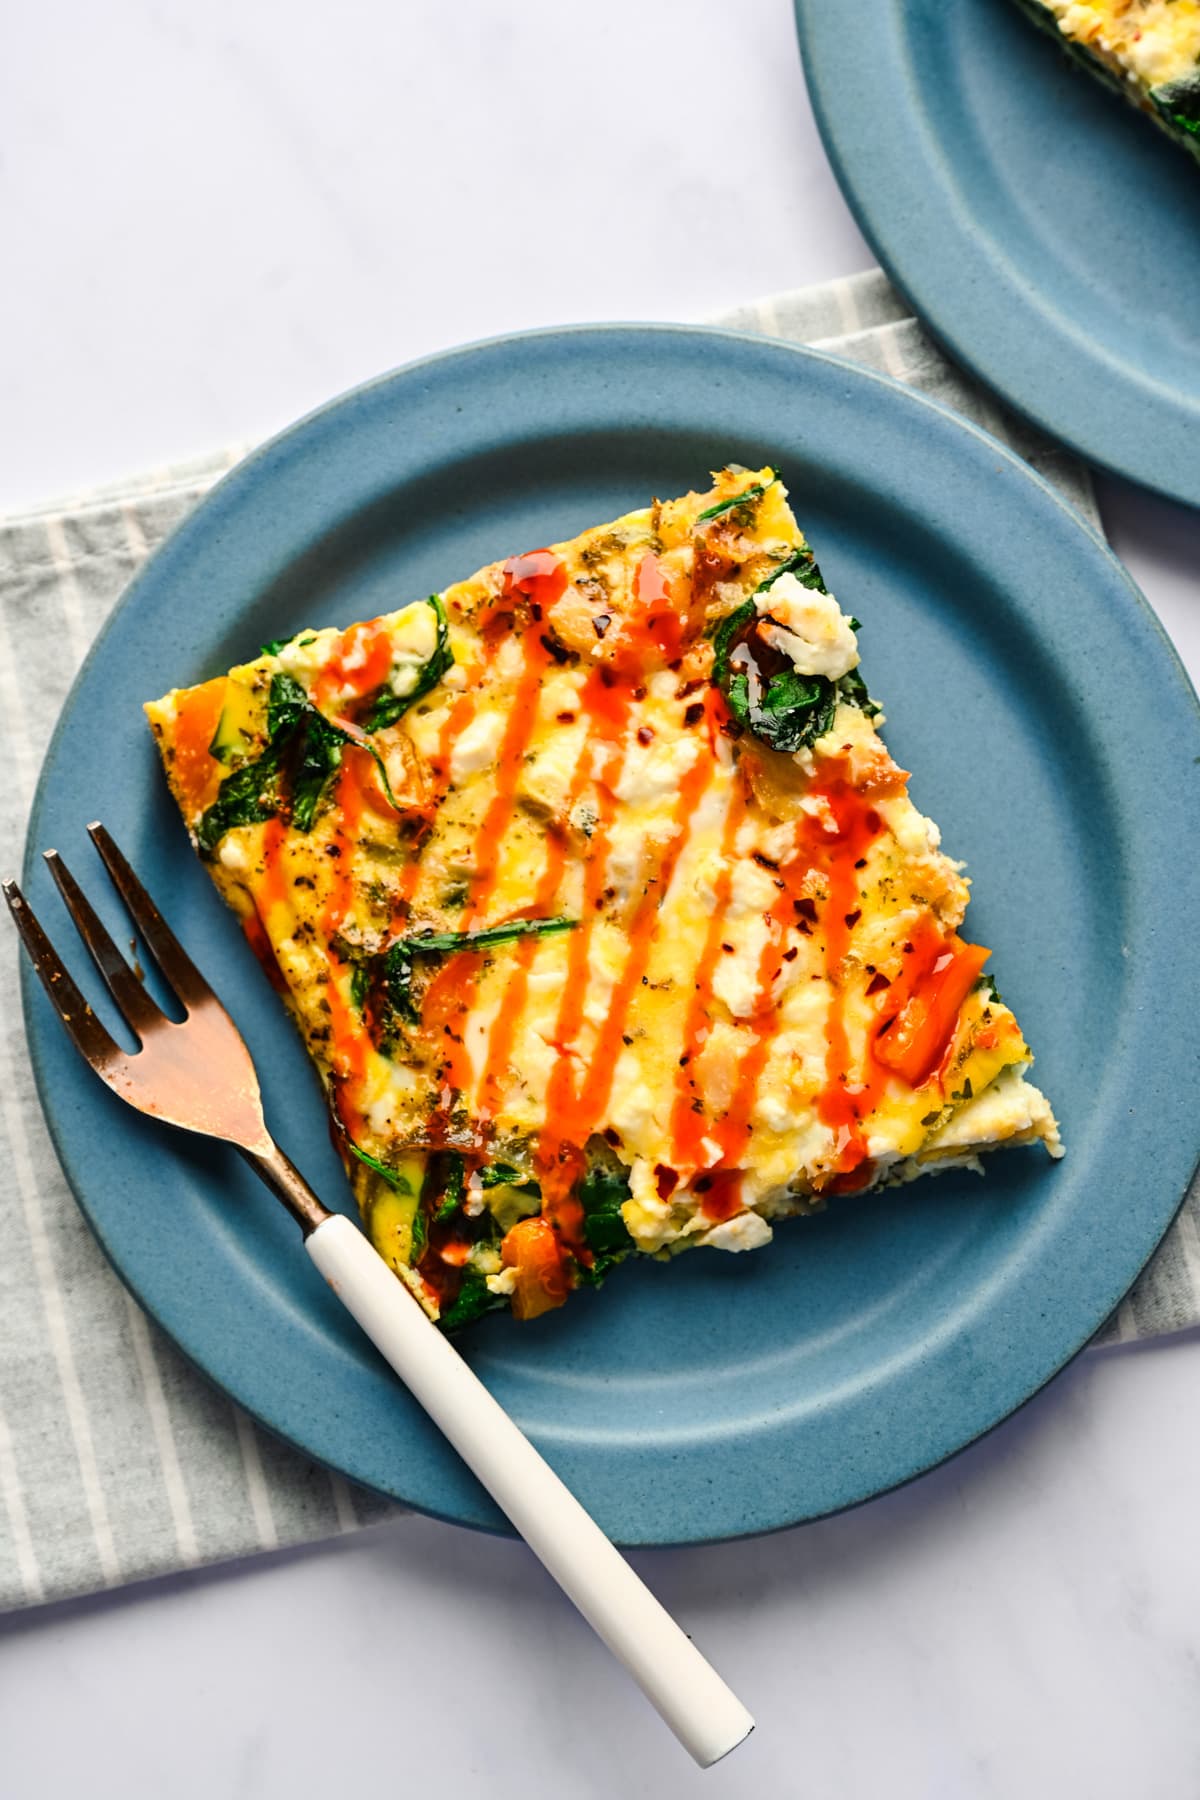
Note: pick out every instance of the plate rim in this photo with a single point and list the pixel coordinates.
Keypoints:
(248, 469)
(939, 294)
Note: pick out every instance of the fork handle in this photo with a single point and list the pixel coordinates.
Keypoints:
(707, 1718)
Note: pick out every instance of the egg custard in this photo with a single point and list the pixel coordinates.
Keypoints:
(601, 905)
(1148, 50)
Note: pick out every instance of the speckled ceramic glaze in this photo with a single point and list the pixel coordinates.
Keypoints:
(1053, 735)
(1045, 233)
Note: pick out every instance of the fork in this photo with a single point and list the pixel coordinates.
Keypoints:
(198, 1075)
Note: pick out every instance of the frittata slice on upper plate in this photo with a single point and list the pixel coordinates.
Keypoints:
(602, 908)
(1149, 50)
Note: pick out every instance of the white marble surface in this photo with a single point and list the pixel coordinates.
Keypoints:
(215, 217)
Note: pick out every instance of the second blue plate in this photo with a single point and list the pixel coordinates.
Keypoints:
(1046, 234)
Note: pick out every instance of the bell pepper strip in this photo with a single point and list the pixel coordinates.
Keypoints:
(913, 1045)
(532, 1248)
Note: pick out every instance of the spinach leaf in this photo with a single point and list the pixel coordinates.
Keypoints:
(273, 646)
(601, 1194)
(393, 1177)
(742, 499)
(445, 1184)
(506, 1175)
(763, 690)
(425, 943)
(360, 982)
(853, 689)
(399, 968)
(802, 565)
(303, 754)
(473, 1300)
(388, 707)
(316, 744)
(286, 706)
(399, 960)
(249, 796)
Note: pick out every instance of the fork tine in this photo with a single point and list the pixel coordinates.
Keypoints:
(85, 1030)
(174, 961)
(137, 1008)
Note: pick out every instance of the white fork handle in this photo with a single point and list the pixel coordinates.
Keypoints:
(706, 1717)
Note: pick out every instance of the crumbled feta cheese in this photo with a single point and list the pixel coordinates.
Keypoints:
(546, 779)
(745, 1231)
(232, 853)
(735, 978)
(307, 652)
(654, 772)
(414, 640)
(809, 628)
(476, 745)
(751, 890)
(503, 1283)
(914, 833)
(630, 1107)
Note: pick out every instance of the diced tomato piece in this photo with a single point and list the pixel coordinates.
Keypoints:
(532, 1248)
(197, 774)
(914, 1043)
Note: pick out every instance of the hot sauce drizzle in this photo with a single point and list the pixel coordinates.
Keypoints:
(444, 1011)
(453, 725)
(841, 1105)
(733, 1132)
(512, 1004)
(607, 703)
(360, 662)
(348, 1044)
(654, 624)
(540, 578)
(597, 1085)
(688, 1121)
(518, 729)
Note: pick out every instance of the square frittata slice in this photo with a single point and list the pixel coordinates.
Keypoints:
(601, 905)
(1148, 50)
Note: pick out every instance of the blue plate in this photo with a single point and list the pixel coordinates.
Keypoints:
(1054, 736)
(1048, 235)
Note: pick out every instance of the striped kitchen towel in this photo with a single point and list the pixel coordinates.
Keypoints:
(117, 1460)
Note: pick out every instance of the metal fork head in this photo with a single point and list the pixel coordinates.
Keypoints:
(196, 1072)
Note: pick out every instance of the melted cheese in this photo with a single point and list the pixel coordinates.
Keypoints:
(746, 926)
